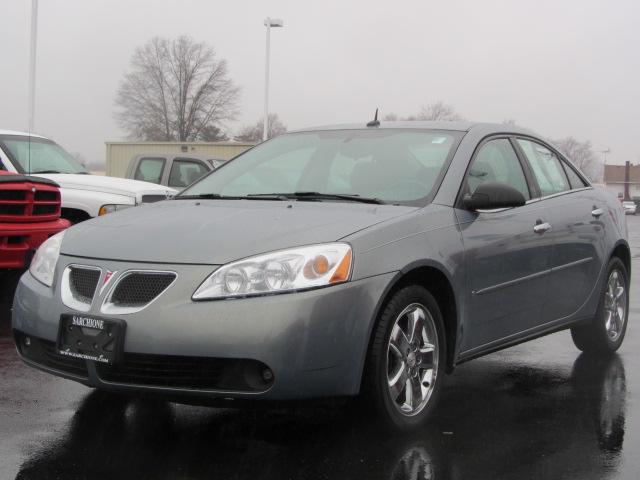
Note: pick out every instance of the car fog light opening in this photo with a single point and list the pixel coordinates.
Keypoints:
(281, 271)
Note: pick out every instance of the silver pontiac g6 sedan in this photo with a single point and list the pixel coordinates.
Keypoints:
(334, 262)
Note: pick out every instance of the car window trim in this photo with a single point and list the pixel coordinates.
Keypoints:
(164, 163)
(527, 174)
(557, 157)
(561, 158)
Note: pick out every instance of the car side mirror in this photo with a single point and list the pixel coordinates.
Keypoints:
(492, 195)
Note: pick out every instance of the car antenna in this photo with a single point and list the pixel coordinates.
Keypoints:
(375, 122)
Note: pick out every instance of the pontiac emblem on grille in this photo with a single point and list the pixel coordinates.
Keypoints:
(107, 277)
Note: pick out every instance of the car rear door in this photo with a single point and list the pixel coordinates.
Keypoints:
(507, 252)
(577, 229)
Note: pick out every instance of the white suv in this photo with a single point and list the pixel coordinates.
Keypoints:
(83, 195)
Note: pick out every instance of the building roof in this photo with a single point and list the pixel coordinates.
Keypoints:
(615, 174)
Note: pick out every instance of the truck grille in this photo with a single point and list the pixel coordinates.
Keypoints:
(26, 199)
(83, 282)
(136, 289)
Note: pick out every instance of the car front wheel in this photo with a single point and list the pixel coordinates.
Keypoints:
(406, 359)
(606, 331)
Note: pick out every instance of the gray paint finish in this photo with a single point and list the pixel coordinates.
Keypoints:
(510, 283)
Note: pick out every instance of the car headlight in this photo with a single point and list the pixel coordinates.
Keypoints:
(104, 209)
(44, 261)
(281, 271)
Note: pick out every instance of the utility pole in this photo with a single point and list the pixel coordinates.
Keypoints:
(268, 22)
(32, 64)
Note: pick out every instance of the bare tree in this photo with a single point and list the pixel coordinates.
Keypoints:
(437, 111)
(175, 90)
(253, 133)
(581, 154)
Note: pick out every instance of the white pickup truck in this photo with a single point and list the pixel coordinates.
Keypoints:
(83, 195)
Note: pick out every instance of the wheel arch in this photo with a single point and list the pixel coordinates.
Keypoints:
(75, 215)
(623, 252)
(434, 278)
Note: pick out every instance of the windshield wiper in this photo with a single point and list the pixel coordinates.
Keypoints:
(46, 171)
(217, 196)
(320, 196)
(201, 196)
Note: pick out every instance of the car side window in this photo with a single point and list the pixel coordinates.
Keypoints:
(546, 168)
(149, 170)
(574, 179)
(496, 161)
(185, 172)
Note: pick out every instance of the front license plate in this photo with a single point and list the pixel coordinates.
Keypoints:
(91, 338)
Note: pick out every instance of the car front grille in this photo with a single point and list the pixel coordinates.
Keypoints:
(136, 289)
(192, 373)
(83, 282)
(43, 352)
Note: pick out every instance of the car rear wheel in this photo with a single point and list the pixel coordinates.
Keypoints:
(406, 359)
(606, 331)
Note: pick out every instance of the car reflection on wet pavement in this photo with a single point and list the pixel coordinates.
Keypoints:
(538, 410)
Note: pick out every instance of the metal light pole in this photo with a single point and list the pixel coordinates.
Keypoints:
(604, 153)
(32, 63)
(268, 22)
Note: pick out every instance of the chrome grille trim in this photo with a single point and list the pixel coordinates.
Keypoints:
(74, 301)
(108, 305)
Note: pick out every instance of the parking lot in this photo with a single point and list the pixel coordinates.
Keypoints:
(539, 410)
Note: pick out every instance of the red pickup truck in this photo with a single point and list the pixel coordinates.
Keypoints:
(29, 214)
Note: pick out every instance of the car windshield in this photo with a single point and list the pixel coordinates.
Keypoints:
(39, 155)
(399, 166)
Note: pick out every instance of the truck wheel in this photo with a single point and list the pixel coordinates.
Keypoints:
(406, 359)
(605, 333)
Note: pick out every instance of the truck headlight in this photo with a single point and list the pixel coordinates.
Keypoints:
(44, 261)
(282, 271)
(104, 209)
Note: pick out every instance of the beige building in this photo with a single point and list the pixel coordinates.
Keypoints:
(623, 180)
(119, 154)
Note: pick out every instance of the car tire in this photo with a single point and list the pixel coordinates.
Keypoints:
(390, 372)
(605, 333)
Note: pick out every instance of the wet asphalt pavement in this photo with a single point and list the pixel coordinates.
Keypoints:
(539, 410)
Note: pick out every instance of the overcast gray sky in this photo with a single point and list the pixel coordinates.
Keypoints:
(563, 67)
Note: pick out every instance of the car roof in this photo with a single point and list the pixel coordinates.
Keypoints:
(23, 134)
(459, 126)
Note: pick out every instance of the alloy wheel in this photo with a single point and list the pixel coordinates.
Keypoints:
(615, 305)
(412, 359)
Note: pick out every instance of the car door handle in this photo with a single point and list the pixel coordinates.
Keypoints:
(541, 227)
(596, 212)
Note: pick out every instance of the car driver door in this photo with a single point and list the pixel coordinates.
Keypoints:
(507, 253)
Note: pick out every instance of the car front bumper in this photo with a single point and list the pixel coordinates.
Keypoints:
(314, 341)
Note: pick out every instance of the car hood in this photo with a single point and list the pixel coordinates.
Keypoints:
(99, 183)
(218, 231)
